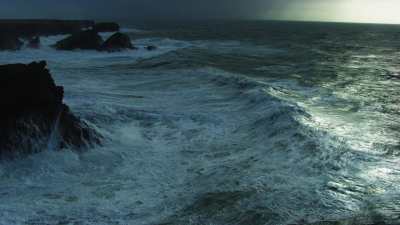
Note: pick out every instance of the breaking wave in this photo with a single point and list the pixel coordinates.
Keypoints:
(192, 138)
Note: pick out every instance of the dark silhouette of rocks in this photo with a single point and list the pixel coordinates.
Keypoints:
(88, 39)
(117, 42)
(28, 28)
(33, 116)
(9, 42)
(106, 27)
(84, 33)
(151, 48)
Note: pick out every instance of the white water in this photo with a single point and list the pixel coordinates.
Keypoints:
(172, 136)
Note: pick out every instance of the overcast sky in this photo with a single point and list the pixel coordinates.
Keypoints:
(325, 10)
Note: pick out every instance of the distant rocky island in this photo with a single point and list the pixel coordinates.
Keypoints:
(83, 34)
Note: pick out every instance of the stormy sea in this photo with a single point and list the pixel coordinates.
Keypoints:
(224, 123)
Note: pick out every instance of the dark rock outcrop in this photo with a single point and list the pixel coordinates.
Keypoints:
(33, 115)
(106, 27)
(117, 42)
(28, 28)
(88, 39)
(151, 48)
(9, 42)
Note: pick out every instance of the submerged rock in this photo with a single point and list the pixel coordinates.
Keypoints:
(106, 27)
(151, 48)
(33, 116)
(88, 39)
(117, 42)
(9, 42)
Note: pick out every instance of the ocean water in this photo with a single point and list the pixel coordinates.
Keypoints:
(246, 123)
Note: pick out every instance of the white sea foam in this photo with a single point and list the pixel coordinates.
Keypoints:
(46, 52)
(176, 136)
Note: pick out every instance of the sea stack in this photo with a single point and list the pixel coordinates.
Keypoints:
(117, 42)
(33, 113)
(89, 39)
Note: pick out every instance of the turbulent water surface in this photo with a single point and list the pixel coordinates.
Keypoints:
(225, 123)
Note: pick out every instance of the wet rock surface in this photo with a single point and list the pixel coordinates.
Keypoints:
(33, 116)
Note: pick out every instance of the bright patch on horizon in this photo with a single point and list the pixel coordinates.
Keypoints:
(363, 11)
(383, 11)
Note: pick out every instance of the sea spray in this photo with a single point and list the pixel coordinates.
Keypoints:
(54, 141)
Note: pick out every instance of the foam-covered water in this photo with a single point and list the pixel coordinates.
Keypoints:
(261, 129)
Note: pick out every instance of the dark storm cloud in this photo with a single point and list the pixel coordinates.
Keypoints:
(146, 9)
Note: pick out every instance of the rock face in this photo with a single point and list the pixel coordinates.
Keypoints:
(106, 27)
(9, 42)
(88, 39)
(117, 42)
(33, 116)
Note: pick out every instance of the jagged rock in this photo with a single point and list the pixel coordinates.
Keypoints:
(33, 115)
(106, 27)
(34, 42)
(117, 42)
(9, 42)
(151, 48)
(88, 39)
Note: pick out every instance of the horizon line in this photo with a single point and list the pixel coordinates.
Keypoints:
(211, 19)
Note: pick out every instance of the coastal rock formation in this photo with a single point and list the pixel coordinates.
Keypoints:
(33, 116)
(106, 27)
(88, 39)
(9, 42)
(82, 38)
(117, 42)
